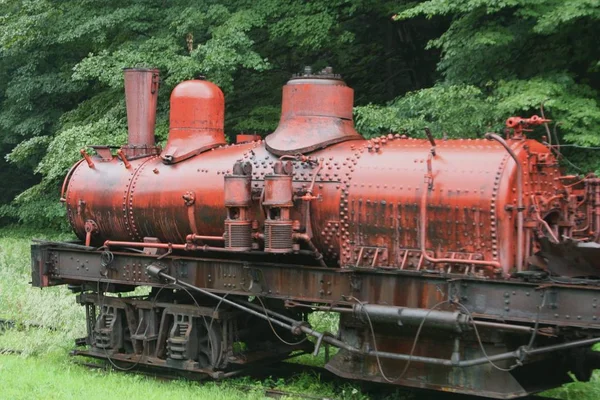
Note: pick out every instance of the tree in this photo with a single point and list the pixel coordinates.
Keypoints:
(503, 58)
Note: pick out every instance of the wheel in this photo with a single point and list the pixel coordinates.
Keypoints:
(209, 343)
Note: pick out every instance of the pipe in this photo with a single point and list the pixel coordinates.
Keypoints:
(367, 308)
(123, 158)
(87, 158)
(431, 140)
(596, 211)
(538, 217)
(520, 207)
(314, 178)
(452, 320)
(167, 246)
(298, 327)
(191, 247)
(194, 237)
(306, 239)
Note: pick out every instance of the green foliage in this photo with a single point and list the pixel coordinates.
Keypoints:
(451, 110)
(504, 58)
(468, 111)
(261, 119)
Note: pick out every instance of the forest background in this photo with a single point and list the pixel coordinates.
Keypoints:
(460, 67)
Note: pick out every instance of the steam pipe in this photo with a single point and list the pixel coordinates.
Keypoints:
(520, 207)
(192, 247)
(123, 158)
(87, 158)
(193, 237)
(306, 239)
(167, 246)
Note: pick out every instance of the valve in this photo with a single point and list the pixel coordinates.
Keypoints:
(520, 125)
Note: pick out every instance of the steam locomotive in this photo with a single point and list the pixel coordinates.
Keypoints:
(464, 265)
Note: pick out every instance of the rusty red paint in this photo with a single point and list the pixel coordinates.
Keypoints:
(386, 202)
(141, 96)
(196, 120)
(317, 214)
(316, 111)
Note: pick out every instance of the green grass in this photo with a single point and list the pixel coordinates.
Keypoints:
(54, 376)
(54, 307)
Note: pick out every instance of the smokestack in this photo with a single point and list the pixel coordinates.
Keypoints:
(141, 93)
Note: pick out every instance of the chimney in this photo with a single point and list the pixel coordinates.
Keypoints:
(141, 93)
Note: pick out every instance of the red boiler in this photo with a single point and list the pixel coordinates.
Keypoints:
(388, 202)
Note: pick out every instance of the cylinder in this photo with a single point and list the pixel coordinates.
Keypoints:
(278, 191)
(238, 192)
(238, 200)
(141, 94)
(448, 320)
(238, 234)
(278, 235)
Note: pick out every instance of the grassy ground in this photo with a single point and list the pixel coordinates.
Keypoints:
(43, 369)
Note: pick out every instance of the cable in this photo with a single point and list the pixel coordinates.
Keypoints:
(481, 342)
(209, 326)
(556, 125)
(577, 146)
(561, 156)
(531, 340)
(414, 346)
(537, 321)
(273, 329)
(418, 333)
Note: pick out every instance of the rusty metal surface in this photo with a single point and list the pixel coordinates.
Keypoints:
(369, 200)
(196, 120)
(512, 300)
(316, 111)
(506, 301)
(141, 96)
(376, 193)
(387, 202)
(244, 138)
